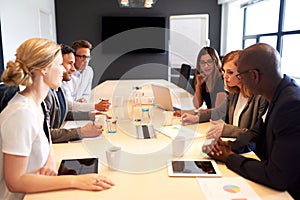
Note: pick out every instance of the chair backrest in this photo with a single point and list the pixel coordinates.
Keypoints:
(6, 94)
(184, 76)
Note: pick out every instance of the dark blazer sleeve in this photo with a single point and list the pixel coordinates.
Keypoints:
(277, 146)
(214, 114)
(77, 116)
(60, 135)
(254, 109)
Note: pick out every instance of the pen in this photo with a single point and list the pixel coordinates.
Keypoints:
(101, 99)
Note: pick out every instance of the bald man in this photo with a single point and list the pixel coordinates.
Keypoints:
(277, 137)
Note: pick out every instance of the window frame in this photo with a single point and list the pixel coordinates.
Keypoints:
(280, 33)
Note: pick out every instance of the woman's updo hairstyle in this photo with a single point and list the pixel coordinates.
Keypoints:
(34, 54)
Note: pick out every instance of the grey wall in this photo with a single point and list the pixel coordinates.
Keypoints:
(76, 19)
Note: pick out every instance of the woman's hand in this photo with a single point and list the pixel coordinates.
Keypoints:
(47, 171)
(200, 78)
(94, 182)
(187, 118)
(215, 129)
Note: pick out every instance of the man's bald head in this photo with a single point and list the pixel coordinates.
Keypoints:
(259, 68)
(260, 56)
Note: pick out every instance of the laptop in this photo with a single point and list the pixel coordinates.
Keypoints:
(162, 98)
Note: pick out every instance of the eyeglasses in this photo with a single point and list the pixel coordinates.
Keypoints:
(83, 57)
(245, 72)
(208, 62)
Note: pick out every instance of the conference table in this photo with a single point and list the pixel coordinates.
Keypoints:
(143, 170)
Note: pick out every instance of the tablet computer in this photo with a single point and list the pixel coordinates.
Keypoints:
(194, 168)
(78, 166)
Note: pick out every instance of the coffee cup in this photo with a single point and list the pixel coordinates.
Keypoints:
(178, 146)
(113, 156)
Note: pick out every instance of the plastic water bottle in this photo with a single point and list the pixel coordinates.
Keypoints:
(112, 131)
(137, 105)
(146, 119)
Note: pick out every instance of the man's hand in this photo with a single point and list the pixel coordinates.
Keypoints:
(102, 105)
(82, 100)
(220, 151)
(90, 130)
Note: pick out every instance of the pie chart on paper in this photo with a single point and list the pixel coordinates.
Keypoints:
(231, 188)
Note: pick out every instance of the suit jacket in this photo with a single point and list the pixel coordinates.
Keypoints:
(277, 140)
(256, 107)
(54, 111)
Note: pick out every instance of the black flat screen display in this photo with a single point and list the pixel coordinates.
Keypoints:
(78, 166)
(112, 25)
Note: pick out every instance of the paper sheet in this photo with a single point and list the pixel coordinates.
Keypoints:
(227, 188)
(80, 123)
(76, 124)
(173, 131)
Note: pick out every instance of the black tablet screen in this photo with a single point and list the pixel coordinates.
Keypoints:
(78, 166)
(194, 167)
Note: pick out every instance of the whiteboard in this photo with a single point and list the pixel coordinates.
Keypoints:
(188, 34)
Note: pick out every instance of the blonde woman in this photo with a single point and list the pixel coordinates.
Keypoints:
(27, 163)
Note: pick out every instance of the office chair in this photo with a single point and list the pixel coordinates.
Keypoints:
(184, 76)
(6, 94)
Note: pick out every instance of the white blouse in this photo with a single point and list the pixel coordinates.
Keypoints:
(239, 107)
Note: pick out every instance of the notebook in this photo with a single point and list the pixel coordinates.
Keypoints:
(162, 98)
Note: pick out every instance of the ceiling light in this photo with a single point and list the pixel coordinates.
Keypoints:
(136, 3)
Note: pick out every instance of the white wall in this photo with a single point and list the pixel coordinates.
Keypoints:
(20, 20)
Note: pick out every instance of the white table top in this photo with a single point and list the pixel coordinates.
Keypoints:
(143, 172)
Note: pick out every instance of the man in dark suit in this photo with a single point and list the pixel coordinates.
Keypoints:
(277, 137)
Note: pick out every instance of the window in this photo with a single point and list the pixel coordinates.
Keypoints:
(262, 17)
(277, 23)
(290, 53)
(291, 15)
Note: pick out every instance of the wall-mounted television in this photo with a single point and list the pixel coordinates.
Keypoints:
(113, 25)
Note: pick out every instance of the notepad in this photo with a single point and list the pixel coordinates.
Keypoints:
(173, 131)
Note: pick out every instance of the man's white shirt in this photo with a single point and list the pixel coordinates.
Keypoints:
(78, 87)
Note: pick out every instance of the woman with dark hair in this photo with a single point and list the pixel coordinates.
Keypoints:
(209, 85)
(240, 111)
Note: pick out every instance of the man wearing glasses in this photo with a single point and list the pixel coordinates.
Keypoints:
(79, 88)
(277, 137)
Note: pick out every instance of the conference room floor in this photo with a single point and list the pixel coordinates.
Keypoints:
(143, 171)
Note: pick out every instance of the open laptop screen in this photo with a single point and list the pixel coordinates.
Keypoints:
(162, 97)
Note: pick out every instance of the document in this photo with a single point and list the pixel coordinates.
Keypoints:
(227, 188)
(173, 131)
(80, 123)
(76, 124)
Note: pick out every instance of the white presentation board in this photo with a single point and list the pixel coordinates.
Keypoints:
(188, 34)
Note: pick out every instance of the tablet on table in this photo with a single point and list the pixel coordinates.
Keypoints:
(194, 168)
(78, 166)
